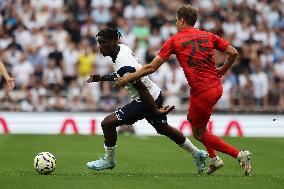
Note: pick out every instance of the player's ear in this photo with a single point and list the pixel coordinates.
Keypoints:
(182, 21)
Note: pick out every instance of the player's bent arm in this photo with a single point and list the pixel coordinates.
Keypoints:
(152, 67)
(145, 70)
(145, 96)
(232, 54)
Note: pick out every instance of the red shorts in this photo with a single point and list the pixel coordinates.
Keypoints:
(201, 106)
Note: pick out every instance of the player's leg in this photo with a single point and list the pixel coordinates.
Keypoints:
(163, 128)
(108, 125)
(194, 116)
(126, 115)
(214, 142)
(220, 145)
(215, 162)
(199, 114)
(175, 135)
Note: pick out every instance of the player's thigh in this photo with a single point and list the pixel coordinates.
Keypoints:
(198, 117)
(131, 113)
(201, 106)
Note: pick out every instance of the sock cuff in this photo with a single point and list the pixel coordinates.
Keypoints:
(184, 143)
(107, 147)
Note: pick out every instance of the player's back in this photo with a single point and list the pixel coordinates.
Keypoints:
(194, 51)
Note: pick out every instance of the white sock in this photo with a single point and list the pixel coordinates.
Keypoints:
(189, 147)
(110, 152)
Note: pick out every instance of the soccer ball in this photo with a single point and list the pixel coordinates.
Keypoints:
(44, 163)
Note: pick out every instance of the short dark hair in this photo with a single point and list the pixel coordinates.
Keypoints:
(188, 13)
(109, 33)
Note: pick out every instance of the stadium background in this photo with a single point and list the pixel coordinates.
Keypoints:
(49, 46)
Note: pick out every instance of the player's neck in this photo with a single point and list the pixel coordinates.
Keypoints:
(183, 27)
(115, 53)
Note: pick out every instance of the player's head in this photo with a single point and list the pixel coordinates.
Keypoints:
(186, 16)
(108, 40)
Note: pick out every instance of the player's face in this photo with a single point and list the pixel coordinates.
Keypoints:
(105, 46)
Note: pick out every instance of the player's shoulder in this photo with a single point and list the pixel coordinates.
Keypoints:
(209, 34)
(125, 51)
(125, 56)
(124, 48)
(203, 32)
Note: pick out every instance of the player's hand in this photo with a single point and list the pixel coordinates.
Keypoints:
(10, 83)
(120, 82)
(94, 78)
(164, 110)
(220, 72)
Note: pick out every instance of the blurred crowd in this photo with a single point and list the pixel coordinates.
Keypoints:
(51, 49)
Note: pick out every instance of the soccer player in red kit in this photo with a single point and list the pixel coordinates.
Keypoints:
(194, 51)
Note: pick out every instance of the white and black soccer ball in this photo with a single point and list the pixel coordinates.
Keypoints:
(44, 163)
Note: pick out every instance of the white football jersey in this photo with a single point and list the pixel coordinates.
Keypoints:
(127, 63)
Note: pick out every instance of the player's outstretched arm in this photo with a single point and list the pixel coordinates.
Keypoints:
(98, 78)
(145, 70)
(148, 99)
(10, 81)
(232, 55)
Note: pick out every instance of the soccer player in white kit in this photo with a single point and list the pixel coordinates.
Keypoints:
(147, 102)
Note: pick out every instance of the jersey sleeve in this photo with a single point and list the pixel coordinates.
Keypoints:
(219, 43)
(125, 70)
(167, 49)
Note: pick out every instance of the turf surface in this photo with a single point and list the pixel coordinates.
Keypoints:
(142, 162)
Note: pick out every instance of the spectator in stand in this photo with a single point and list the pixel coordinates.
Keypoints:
(174, 82)
(23, 70)
(56, 102)
(59, 30)
(52, 75)
(260, 86)
(246, 91)
(86, 59)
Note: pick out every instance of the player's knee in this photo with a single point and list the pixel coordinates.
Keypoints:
(109, 122)
(105, 123)
(197, 134)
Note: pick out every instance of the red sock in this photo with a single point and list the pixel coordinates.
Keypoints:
(218, 144)
(211, 151)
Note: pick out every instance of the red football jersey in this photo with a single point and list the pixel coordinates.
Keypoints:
(194, 51)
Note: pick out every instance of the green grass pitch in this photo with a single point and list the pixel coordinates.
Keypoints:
(142, 162)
